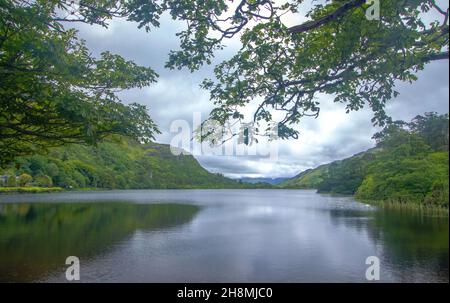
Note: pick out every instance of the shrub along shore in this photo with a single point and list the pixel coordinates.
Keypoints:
(30, 190)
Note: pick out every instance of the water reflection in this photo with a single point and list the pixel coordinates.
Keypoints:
(414, 244)
(36, 238)
(239, 236)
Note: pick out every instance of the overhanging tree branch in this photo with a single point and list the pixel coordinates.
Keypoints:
(307, 26)
(436, 57)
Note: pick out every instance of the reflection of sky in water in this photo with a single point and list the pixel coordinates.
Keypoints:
(268, 235)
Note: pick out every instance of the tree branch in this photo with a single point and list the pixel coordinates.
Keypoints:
(436, 57)
(327, 18)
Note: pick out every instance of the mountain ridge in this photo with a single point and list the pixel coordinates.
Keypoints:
(118, 163)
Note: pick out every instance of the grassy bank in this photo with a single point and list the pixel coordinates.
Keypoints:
(31, 190)
(407, 205)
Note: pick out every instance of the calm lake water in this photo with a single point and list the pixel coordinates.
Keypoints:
(216, 236)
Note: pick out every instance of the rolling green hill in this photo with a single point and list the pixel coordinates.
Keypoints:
(378, 175)
(342, 176)
(308, 179)
(116, 164)
(409, 165)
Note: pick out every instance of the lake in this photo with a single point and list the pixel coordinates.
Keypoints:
(216, 236)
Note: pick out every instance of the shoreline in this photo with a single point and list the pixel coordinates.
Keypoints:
(29, 190)
(406, 206)
(378, 203)
(386, 204)
(24, 190)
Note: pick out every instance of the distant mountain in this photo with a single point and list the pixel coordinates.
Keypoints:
(272, 181)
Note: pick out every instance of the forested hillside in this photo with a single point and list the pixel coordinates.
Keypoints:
(408, 165)
(308, 179)
(119, 163)
(272, 181)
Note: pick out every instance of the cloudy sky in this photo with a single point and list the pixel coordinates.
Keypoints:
(176, 96)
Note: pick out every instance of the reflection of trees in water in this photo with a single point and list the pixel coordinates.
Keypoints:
(37, 238)
(356, 219)
(414, 240)
(415, 244)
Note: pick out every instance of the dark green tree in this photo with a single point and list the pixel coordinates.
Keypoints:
(282, 71)
(434, 128)
(53, 91)
(431, 127)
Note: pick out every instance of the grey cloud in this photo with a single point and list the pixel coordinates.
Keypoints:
(229, 165)
(429, 93)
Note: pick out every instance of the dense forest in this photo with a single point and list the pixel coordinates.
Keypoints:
(120, 163)
(409, 164)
